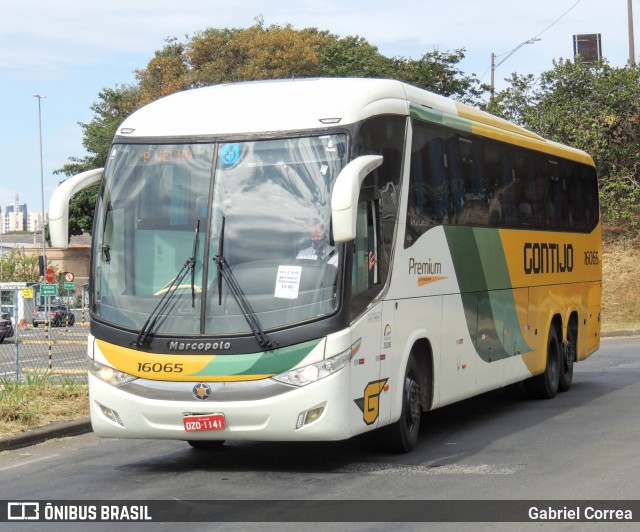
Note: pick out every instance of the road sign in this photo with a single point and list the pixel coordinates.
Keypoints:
(50, 276)
(49, 290)
(68, 276)
(27, 292)
(68, 285)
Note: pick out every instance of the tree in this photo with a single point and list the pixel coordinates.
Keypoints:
(19, 267)
(109, 112)
(437, 71)
(256, 53)
(594, 107)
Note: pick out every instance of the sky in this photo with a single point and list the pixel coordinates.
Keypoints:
(68, 50)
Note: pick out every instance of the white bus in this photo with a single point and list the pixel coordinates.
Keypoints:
(314, 259)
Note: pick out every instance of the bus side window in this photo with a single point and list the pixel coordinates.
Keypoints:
(428, 183)
(526, 192)
(475, 206)
(384, 135)
(556, 197)
(365, 278)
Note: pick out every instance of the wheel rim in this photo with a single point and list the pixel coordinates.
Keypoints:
(412, 402)
(554, 358)
(568, 360)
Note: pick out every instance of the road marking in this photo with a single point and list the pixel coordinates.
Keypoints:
(446, 469)
(29, 462)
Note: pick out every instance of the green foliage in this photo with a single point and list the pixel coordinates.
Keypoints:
(437, 71)
(255, 53)
(594, 107)
(114, 106)
(81, 209)
(19, 267)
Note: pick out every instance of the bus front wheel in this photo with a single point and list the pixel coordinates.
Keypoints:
(206, 444)
(402, 436)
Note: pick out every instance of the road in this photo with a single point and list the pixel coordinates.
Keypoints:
(582, 445)
(68, 351)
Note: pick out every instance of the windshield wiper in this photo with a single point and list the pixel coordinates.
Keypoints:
(224, 271)
(169, 292)
(193, 266)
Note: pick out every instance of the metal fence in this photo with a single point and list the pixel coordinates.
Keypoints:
(61, 350)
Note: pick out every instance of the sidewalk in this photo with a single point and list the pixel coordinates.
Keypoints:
(82, 426)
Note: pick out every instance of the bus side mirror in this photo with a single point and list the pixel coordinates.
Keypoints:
(344, 198)
(59, 205)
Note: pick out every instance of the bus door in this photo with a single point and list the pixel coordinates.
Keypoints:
(368, 319)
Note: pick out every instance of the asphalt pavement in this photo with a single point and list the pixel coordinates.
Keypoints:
(81, 426)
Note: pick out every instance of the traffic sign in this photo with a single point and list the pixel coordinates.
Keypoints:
(49, 290)
(68, 276)
(50, 276)
(68, 285)
(27, 292)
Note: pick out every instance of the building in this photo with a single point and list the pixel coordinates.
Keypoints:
(15, 217)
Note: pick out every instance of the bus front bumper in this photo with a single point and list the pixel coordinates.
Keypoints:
(318, 411)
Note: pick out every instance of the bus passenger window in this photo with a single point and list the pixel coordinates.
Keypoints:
(474, 193)
(428, 184)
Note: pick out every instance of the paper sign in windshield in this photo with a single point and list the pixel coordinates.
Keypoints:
(288, 282)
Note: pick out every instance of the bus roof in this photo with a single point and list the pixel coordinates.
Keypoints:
(247, 108)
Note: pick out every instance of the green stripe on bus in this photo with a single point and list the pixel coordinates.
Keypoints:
(486, 294)
(261, 363)
(439, 117)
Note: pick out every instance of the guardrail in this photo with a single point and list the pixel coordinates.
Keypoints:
(32, 350)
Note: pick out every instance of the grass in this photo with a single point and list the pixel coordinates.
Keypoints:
(620, 283)
(43, 398)
(38, 400)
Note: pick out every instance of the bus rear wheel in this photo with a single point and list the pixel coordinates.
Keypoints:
(568, 358)
(545, 385)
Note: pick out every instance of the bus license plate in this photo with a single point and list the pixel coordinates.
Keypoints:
(204, 423)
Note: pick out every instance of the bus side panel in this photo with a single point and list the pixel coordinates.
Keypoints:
(541, 301)
(415, 319)
(459, 361)
(592, 296)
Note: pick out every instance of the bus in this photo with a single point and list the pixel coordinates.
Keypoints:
(459, 253)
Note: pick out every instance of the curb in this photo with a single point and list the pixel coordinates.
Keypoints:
(618, 334)
(58, 429)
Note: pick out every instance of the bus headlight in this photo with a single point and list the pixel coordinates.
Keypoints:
(110, 375)
(319, 370)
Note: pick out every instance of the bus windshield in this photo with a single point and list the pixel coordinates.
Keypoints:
(184, 223)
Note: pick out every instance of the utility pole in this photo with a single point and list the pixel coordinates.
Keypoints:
(632, 52)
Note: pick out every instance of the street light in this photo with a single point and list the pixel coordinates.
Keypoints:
(507, 56)
(44, 255)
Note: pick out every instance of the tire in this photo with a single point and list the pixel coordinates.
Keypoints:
(568, 358)
(206, 444)
(1, 339)
(71, 320)
(545, 385)
(35, 324)
(402, 436)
